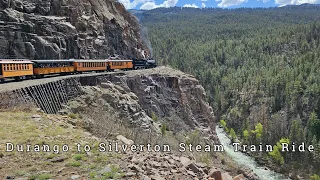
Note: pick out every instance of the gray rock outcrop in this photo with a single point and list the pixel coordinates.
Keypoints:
(62, 29)
(174, 98)
(167, 166)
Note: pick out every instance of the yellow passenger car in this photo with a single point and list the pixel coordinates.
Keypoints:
(17, 69)
(120, 64)
(46, 67)
(90, 65)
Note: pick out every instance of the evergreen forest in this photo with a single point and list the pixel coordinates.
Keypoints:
(260, 68)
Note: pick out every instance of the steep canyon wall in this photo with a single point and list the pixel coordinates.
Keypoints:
(63, 29)
(135, 96)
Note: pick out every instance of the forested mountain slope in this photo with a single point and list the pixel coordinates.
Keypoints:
(260, 68)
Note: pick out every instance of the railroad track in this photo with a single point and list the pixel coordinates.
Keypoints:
(14, 85)
(11, 85)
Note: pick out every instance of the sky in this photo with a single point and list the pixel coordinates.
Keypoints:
(151, 4)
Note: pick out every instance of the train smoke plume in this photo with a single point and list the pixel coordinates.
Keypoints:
(145, 39)
(143, 30)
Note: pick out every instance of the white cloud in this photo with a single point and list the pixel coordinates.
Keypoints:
(227, 3)
(130, 5)
(204, 0)
(203, 5)
(169, 3)
(149, 5)
(152, 5)
(191, 5)
(295, 2)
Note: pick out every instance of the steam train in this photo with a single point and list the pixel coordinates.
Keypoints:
(27, 69)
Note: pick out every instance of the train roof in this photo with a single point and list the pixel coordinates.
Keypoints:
(52, 61)
(103, 60)
(120, 60)
(90, 60)
(15, 61)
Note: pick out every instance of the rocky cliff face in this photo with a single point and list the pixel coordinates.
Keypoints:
(132, 107)
(146, 100)
(52, 29)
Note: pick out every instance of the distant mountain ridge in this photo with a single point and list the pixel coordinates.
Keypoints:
(138, 11)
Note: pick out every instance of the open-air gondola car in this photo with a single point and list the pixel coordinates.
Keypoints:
(17, 69)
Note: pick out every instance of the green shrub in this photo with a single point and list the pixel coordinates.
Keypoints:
(315, 177)
(163, 129)
(40, 177)
(233, 134)
(75, 164)
(154, 117)
(78, 157)
(113, 174)
(223, 123)
(276, 153)
(246, 135)
(73, 116)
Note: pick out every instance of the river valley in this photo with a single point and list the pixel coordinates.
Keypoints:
(244, 160)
